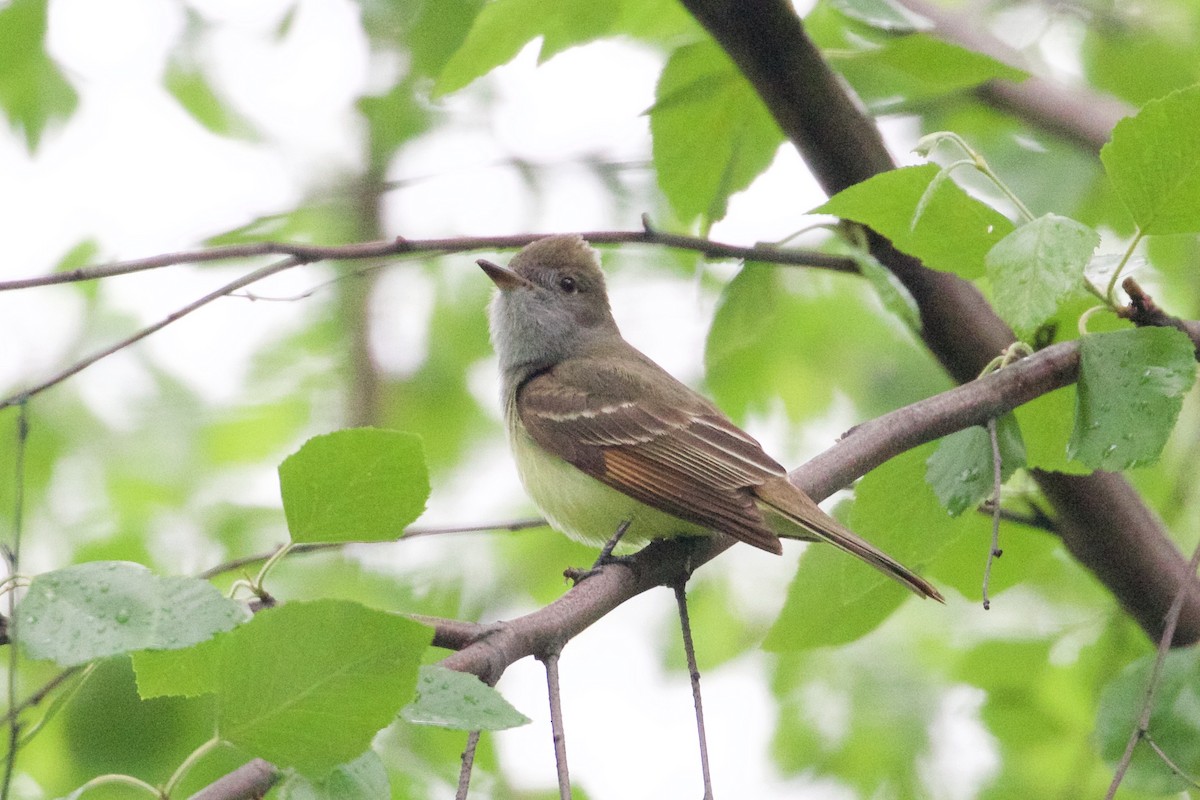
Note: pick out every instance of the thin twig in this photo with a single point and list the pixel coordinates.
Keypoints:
(390, 248)
(249, 781)
(86, 362)
(1170, 762)
(556, 724)
(468, 763)
(1164, 645)
(409, 533)
(994, 549)
(689, 651)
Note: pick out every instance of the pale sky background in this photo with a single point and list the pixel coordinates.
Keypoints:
(133, 171)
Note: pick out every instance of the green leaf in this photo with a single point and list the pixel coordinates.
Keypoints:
(1174, 720)
(364, 778)
(1046, 424)
(357, 485)
(821, 609)
(78, 614)
(883, 14)
(450, 699)
(892, 293)
(1037, 267)
(308, 684)
(1131, 387)
(834, 597)
(802, 339)
(188, 672)
(712, 134)
(33, 92)
(961, 470)
(952, 232)
(916, 68)
(191, 89)
(1153, 161)
(503, 27)
(434, 31)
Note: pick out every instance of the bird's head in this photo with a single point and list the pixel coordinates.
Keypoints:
(552, 303)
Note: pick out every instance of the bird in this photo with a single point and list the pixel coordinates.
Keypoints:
(606, 439)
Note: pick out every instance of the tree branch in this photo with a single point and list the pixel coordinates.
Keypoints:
(392, 248)
(251, 780)
(1078, 114)
(842, 146)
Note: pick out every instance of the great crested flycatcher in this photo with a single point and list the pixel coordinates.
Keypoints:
(603, 436)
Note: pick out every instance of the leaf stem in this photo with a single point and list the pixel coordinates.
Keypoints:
(1116, 276)
(182, 770)
(928, 142)
(126, 780)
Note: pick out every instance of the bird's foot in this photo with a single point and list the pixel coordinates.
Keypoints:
(606, 557)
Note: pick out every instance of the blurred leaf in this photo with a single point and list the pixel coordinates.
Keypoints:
(348, 670)
(1174, 720)
(822, 609)
(961, 469)
(1140, 64)
(503, 27)
(861, 716)
(253, 433)
(84, 254)
(779, 335)
(33, 92)
(461, 701)
(364, 778)
(357, 485)
(1131, 387)
(436, 31)
(896, 510)
(393, 118)
(81, 255)
(883, 14)
(924, 215)
(436, 402)
(1037, 267)
(915, 68)
(834, 598)
(892, 292)
(88, 611)
(712, 134)
(189, 86)
(1153, 160)
(107, 728)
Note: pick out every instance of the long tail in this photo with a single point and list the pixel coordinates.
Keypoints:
(798, 508)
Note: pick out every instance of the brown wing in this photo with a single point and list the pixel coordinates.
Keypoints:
(643, 433)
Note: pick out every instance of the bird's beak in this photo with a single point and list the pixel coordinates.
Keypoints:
(503, 277)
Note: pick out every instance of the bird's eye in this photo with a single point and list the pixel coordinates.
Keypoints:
(567, 284)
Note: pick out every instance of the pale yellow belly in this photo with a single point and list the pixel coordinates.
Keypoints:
(585, 509)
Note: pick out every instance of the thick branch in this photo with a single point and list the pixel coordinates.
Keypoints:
(1078, 114)
(841, 145)
(250, 780)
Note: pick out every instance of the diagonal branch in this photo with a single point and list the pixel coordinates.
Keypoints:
(488, 650)
(1078, 114)
(1104, 523)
